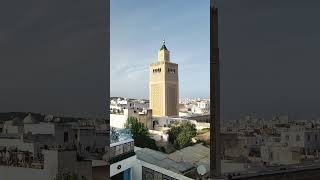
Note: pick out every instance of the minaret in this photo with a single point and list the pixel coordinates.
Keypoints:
(164, 85)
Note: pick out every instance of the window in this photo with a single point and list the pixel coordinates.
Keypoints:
(316, 137)
(287, 137)
(158, 70)
(297, 138)
(172, 71)
(157, 176)
(308, 137)
(127, 174)
(65, 137)
(149, 174)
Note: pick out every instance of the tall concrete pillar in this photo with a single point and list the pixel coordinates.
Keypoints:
(215, 150)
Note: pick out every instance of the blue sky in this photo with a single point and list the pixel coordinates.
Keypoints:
(137, 30)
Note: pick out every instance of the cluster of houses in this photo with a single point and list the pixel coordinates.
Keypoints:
(37, 146)
(152, 164)
(278, 141)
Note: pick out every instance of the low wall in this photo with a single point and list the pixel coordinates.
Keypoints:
(312, 173)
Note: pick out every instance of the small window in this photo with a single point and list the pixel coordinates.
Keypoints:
(297, 138)
(65, 137)
(287, 138)
(171, 71)
(308, 137)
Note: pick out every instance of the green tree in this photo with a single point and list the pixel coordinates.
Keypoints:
(136, 127)
(181, 134)
(140, 134)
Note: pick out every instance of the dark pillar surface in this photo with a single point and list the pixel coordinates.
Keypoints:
(215, 154)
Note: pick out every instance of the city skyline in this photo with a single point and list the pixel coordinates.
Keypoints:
(137, 31)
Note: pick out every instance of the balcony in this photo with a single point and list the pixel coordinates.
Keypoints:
(121, 145)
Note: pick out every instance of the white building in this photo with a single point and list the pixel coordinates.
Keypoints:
(298, 136)
(38, 147)
(277, 153)
(55, 163)
(118, 120)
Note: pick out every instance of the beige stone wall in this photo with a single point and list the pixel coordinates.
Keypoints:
(156, 87)
(171, 101)
(164, 88)
(172, 89)
(164, 56)
(156, 102)
(146, 119)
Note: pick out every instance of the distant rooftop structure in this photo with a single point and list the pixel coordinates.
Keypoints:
(197, 155)
(30, 119)
(162, 160)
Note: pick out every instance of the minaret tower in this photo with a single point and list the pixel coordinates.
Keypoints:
(164, 85)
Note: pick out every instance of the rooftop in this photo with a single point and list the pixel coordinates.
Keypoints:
(162, 160)
(196, 155)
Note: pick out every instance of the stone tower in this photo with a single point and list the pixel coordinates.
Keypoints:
(164, 85)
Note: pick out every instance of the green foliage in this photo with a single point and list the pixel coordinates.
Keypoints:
(140, 134)
(181, 134)
(137, 128)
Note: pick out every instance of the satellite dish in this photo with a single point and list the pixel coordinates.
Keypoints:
(201, 170)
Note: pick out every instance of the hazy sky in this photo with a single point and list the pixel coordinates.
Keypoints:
(270, 60)
(53, 56)
(137, 30)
